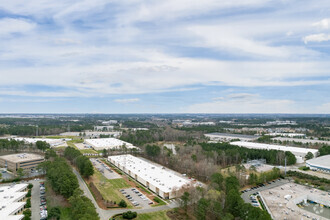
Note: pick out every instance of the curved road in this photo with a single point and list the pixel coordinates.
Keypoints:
(107, 214)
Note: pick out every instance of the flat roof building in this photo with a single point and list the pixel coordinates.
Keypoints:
(11, 201)
(319, 163)
(299, 152)
(108, 143)
(229, 137)
(164, 182)
(26, 161)
(51, 142)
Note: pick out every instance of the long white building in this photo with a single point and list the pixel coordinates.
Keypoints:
(320, 163)
(108, 143)
(229, 137)
(11, 201)
(51, 142)
(299, 152)
(163, 181)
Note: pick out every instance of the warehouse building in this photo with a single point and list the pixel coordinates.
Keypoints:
(51, 142)
(26, 161)
(11, 201)
(226, 137)
(108, 143)
(299, 152)
(320, 163)
(164, 182)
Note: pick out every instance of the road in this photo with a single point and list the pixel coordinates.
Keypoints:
(35, 199)
(313, 173)
(106, 214)
(246, 196)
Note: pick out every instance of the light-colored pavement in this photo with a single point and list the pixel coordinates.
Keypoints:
(35, 199)
(106, 171)
(142, 203)
(246, 196)
(106, 214)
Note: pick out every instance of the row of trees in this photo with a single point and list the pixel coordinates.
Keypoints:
(324, 150)
(64, 182)
(82, 162)
(235, 154)
(222, 200)
(61, 177)
(264, 176)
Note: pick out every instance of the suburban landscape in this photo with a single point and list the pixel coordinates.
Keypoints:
(164, 110)
(165, 166)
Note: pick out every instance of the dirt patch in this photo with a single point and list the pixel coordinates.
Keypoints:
(179, 214)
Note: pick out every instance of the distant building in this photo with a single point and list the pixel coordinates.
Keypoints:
(299, 152)
(103, 128)
(110, 122)
(287, 134)
(11, 201)
(164, 182)
(278, 122)
(226, 137)
(108, 143)
(319, 163)
(50, 141)
(26, 161)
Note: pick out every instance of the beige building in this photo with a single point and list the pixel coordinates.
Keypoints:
(25, 161)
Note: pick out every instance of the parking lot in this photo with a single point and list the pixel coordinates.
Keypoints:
(38, 201)
(105, 169)
(254, 190)
(136, 197)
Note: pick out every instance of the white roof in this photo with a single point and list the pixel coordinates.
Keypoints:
(108, 143)
(9, 195)
(52, 142)
(166, 180)
(274, 147)
(323, 161)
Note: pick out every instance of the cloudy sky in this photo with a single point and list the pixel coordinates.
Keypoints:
(173, 56)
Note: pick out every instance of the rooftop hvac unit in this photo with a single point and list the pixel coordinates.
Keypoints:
(3, 206)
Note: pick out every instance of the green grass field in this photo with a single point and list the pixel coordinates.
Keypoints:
(89, 151)
(161, 215)
(110, 188)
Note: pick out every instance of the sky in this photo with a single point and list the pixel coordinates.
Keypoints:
(173, 56)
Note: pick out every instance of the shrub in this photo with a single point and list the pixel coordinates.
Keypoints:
(28, 203)
(122, 204)
(54, 213)
(29, 193)
(129, 215)
(30, 186)
(156, 199)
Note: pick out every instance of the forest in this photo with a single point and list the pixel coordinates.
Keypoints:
(82, 162)
(221, 200)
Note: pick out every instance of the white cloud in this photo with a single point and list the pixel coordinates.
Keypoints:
(323, 24)
(127, 100)
(244, 103)
(12, 25)
(316, 38)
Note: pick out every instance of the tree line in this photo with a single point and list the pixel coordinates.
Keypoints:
(82, 162)
(236, 154)
(221, 200)
(64, 182)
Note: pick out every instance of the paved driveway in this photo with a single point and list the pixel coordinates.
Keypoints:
(106, 214)
(105, 169)
(35, 199)
(246, 196)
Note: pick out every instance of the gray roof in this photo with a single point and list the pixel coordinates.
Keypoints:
(323, 161)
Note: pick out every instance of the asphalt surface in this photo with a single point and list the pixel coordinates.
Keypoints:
(106, 171)
(246, 196)
(106, 214)
(35, 199)
(142, 203)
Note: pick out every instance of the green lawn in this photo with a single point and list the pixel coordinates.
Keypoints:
(110, 188)
(89, 151)
(161, 215)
